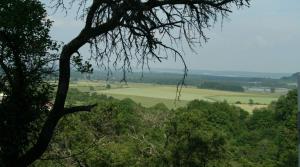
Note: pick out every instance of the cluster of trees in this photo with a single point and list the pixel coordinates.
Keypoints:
(204, 134)
(221, 86)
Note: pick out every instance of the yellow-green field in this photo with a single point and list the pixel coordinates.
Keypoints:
(151, 94)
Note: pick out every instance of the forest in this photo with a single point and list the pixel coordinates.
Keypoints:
(204, 134)
(220, 86)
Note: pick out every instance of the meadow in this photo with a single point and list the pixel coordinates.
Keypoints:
(150, 94)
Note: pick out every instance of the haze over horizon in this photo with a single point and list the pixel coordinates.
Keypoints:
(262, 38)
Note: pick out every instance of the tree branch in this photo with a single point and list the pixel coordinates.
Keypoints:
(155, 3)
(75, 109)
(91, 13)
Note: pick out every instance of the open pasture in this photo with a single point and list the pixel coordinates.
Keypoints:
(151, 94)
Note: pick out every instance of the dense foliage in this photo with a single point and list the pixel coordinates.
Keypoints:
(123, 133)
(26, 57)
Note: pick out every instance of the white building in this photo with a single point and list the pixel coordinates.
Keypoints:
(1, 96)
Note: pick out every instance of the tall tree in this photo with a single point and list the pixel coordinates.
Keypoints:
(26, 56)
(120, 31)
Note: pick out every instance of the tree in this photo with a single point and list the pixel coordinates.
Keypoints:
(107, 86)
(119, 31)
(274, 128)
(251, 101)
(26, 57)
(272, 90)
(193, 141)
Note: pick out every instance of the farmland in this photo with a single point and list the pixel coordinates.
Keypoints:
(150, 94)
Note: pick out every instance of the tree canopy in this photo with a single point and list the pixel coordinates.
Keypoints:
(124, 133)
(27, 56)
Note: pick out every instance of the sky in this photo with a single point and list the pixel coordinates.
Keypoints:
(262, 38)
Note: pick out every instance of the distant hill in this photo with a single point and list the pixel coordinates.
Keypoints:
(226, 73)
(293, 77)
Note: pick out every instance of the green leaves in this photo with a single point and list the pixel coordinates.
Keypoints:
(27, 56)
(80, 65)
(123, 133)
(193, 141)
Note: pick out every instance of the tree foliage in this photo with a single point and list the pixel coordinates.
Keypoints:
(193, 141)
(199, 134)
(27, 54)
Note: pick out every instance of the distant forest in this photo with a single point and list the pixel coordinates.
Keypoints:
(221, 86)
(204, 81)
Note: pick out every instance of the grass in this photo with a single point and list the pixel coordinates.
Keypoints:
(249, 107)
(151, 94)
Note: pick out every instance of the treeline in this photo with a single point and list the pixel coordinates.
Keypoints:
(204, 134)
(221, 86)
(292, 78)
(175, 78)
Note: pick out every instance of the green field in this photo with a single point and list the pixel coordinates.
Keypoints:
(151, 94)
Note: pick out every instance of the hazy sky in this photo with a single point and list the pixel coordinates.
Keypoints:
(262, 38)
